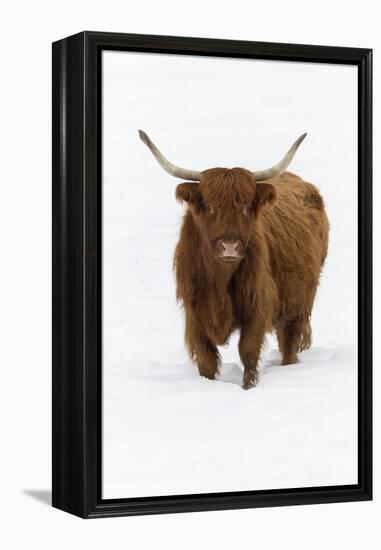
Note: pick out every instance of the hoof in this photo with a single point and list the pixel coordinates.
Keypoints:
(289, 361)
(208, 376)
(249, 384)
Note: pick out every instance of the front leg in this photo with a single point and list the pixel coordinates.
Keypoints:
(201, 349)
(250, 344)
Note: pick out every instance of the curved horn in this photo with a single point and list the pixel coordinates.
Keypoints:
(262, 175)
(168, 166)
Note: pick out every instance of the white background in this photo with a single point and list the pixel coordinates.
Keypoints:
(26, 32)
(166, 430)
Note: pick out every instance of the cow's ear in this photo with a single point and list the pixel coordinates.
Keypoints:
(265, 194)
(189, 192)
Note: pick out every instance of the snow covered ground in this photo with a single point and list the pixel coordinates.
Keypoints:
(165, 429)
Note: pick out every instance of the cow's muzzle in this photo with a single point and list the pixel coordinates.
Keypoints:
(229, 249)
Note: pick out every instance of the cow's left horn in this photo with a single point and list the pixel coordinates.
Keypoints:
(262, 175)
(168, 166)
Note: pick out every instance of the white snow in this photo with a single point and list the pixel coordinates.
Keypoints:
(166, 430)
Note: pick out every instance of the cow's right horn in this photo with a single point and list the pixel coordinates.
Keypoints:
(176, 171)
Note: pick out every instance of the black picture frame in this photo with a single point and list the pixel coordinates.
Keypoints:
(77, 262)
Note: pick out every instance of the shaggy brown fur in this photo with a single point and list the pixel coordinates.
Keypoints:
(281, 231)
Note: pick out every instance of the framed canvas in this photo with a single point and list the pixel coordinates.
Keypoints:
(211, 274)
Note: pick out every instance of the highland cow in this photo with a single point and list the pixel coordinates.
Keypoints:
(250, 252)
